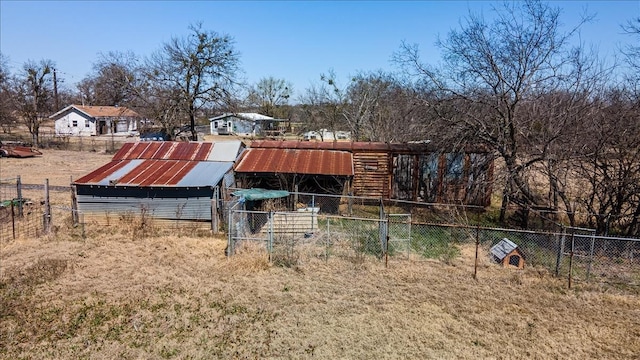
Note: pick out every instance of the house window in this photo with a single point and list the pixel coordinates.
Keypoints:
(86, 124)
(74, 123)
(215, 124)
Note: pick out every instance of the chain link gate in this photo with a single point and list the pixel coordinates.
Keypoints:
(399, 232)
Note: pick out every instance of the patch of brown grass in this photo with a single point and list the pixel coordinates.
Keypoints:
(170, 297)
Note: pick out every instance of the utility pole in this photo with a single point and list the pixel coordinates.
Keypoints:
(55, 90)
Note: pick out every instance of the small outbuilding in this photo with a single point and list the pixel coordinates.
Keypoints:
(507, 253)
(165, 180)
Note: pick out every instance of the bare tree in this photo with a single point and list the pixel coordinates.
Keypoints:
(325, 104)
(382, 108)
(632, 52)
(200, 68)
(7, 117)
(269, 95)
(115, 80)
(611, 163)
(35, 94)
(490, 71)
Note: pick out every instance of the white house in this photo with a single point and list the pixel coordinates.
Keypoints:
(78, 120)
(242, 124)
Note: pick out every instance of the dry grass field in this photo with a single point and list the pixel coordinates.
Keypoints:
(115, 295)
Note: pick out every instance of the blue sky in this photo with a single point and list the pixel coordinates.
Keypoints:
(293, 40)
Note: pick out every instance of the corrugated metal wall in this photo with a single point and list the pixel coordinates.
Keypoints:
(196, 208)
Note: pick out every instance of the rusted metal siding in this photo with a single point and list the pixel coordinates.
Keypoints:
(295, 161)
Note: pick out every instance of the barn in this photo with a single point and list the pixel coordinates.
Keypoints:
(166, 180)
(404, 171)
(306, 170)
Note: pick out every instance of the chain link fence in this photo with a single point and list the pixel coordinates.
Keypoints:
(293, 229)
(19, 216)
(299, 227)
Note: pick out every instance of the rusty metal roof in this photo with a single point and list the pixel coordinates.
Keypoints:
(357, 146)
(170, 150)
(150, 173)
(159, 163)
(296, 161)
(351, 146)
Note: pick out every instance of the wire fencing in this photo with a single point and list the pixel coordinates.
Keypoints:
(299, 227)
(291, 237)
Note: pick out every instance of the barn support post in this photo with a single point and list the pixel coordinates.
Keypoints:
(19, 195)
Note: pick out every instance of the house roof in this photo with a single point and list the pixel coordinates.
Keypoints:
(98, 111)
(296, 161)
(246, 116)
(503, 248)
(166, 164)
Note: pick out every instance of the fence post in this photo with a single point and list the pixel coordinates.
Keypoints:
(214, 210)
(230, 233)
(74, 204)
(13, 221)
(313, 206)
(560, 250)
(47, 209)
(270, 235)
(19, 195)
(326, 256)
(573, 242)
(350, 203)
(475, 265)
(593, 243)
(84, 234)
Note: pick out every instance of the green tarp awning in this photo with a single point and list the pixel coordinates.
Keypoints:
(260, 194)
